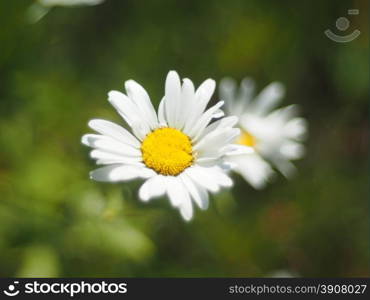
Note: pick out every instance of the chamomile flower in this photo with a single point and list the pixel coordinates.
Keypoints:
(177, 152)
(276, 134)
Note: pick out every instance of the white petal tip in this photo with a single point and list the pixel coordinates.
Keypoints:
(91, 123)
(144, 198)
(113, 95)
(186, 216)
(218, 114)
(84, 140)
(173, 75)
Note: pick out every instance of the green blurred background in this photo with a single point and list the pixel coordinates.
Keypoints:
(54, 77)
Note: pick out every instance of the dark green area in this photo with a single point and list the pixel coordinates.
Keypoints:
(54, 77)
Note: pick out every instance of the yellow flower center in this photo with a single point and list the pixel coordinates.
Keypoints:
(246, 139)
(167, 151)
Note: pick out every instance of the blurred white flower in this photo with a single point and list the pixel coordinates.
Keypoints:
(276, 134)
(282, 274)
(41, 7)
(69, 2)
(176, 152)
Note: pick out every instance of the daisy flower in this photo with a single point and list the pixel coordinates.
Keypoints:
(177, 152)
(276, 134)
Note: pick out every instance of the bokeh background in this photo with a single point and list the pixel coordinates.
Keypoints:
(54, 77)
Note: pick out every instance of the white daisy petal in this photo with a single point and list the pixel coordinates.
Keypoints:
(186, 208)
(187, 101)
(104, 161)
(107, 156)
(214, 148)
(172, 98)
(115, 173)
(161, 114)
(153, 187)
(253, 168)
(201, 176)
(269, 98)
(209, 161)
(216, 139)
(218, 114)
(292, 150)
(296, 129)
(203, 121)
(284, 114)
(199, 194)
(203, 195)
(124, 106)
(204, 93)
(220, 177)
(201, 98)
(246, 93)
(129, 113)
(174, 189)
(114, 131)
(226, 122)
(179, 196)
(110, 145)
(284, 166)
(235, 149)
(141, 98)
(227, 91)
